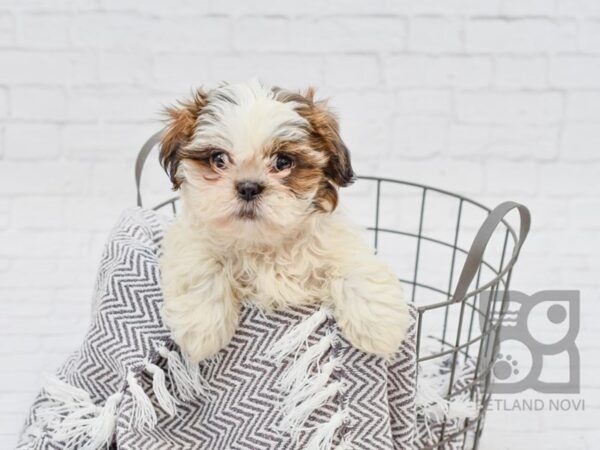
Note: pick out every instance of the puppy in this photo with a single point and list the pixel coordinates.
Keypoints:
(259, 169)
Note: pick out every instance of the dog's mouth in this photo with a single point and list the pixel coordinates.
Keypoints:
(248, 212)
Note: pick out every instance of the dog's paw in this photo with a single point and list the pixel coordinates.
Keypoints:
(200, 328)
(371, 312)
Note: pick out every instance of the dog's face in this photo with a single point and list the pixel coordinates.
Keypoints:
(255, 160)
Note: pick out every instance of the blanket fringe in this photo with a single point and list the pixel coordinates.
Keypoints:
(432, 383)
(322, 438)
(143, 414)
(166, 401)
(306, 393)
(184, 375)
(74, 419)
(298, 335)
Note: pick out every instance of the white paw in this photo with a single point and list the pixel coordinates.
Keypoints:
(371, 312)
(200, 328)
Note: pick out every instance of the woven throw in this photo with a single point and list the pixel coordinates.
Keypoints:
(287, 380)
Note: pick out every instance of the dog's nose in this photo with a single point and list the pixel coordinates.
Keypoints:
(248, 190)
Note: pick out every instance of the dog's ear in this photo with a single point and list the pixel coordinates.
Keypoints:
(325, 132)
(180, 124)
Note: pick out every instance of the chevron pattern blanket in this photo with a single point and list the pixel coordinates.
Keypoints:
(287, 380)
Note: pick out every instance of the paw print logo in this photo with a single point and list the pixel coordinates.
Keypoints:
(538, 329)
(505, 367)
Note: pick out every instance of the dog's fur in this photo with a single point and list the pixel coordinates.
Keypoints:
(288, 246)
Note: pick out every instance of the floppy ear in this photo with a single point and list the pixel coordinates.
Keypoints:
(326, 136)
(179, 130)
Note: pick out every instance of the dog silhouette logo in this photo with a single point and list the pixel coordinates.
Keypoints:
(536, 340)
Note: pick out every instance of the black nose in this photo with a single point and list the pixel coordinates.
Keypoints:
(248, 190)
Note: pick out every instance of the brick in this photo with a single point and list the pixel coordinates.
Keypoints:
(44, 243)
(157, 7)
(116, 67)
(468, 7)
(423, 101)
(511, 178)
(308, 7)
(8, 35)
(39, 212)
(524, 142)
(575, 71)
(583, 105)
(27, 142)
(38, 103)
(34, 67)
(351, 71)
(43, 178)
(261, 34)
(581, 141)
(514, 107)
(529, 72)
(360, 132)
(563, 180)
(583, 213)
(122, 31)
(468, 140)
(590, 35)
(578, 7)
(113, 105)
(528, 7)
(419, 137)
(5, 218)
(291, 71)
(58, 5)
(348, 34)
(467, 175)
(182, 72)
(97, 215)
(113, 179)
(520, 36)
(49, 31)
(200, 35)
(444, 71)
(3, 103)
(446, 38)
(108, 142)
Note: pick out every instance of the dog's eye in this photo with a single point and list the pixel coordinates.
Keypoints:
(219, 159)
(283, 162)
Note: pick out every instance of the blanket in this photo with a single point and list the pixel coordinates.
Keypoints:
(287, 380)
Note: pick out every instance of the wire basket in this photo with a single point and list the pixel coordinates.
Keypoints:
(455, 258)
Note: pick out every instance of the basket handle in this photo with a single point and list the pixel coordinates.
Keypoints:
(141, 159)
(475, 255)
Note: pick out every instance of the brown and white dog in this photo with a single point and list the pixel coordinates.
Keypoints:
(259, 170)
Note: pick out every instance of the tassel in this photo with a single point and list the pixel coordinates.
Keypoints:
(187, 380)
(324, 434)
(300, 368)
(75, 420)
(159, 386)
(433, 407)
(298, 335)
(143, 414)
(295, 418)
(310, 387)
(89, 433)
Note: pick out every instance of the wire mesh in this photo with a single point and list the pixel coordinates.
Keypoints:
(427, 255)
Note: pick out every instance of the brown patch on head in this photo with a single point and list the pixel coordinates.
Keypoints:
(181, 122)
(324, 136)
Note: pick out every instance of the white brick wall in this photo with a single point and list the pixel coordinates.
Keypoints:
(495, 99)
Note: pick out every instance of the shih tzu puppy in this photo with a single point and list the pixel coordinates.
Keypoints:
(259, 170)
